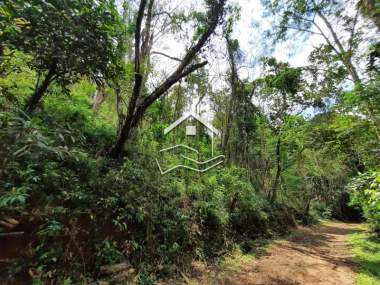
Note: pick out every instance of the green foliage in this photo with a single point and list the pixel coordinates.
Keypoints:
(108, 253)
(365, 192)
(321, 210)
(66, 39)
(281, 77)
(16, 197)
(51, 228)
(81, 210)
(299, 15)
(72, 40)
(74, 122)
(367, 255)
(16, 78)
(108, 215)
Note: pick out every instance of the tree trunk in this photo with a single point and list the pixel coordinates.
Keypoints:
(177, 107)
(146, 47)
(276, 183)
(127, 124)
(373, 120)
(119, 107)
(146, 35)
(99, 97)
(347, 62)
(341, 52)
(40, 90)
(370, 10)
(307, 207)
(232, 100)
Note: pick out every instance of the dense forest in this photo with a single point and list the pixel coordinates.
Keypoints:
(88, 89)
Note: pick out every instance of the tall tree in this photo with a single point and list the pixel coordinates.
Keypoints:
(239, 127)
(281, 88)
(67, 39)
(338, 28)
(138, 106)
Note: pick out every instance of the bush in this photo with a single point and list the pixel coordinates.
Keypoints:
(83, 213)
(321, 210)
(365, 192)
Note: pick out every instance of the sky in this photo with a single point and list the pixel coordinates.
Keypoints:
(249, 31)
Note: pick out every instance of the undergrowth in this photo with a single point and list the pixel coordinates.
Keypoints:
(366, 247)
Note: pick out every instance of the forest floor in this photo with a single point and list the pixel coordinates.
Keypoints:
(316, 255)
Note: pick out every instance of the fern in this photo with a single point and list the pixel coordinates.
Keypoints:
(16, 197)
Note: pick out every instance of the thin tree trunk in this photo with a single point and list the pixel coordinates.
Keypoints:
(126, 128)
(347, 62)
(119, 107)
(99, 97)
(231, 104)
(127, 123)
(177, 111)
(375, 122)
(276, 183)
(162, 89)
(307, 207)
(40, 90)
(146, 35)
(146, 47)
(346, 59)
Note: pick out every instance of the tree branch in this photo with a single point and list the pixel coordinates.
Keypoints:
(342, 53)
(304, 30)
(352, 35)
(166, 55)
(169, 82)
(183, 70)
(327, 39)
(215, 14)
(135, 114)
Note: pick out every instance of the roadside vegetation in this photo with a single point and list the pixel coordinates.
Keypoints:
(86, 93)
(366, 247)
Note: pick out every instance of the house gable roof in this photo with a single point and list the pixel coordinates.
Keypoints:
(195, 116)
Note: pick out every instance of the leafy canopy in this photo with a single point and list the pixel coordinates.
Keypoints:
(78, 37)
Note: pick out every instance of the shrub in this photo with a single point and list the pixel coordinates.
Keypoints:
(365, 192)
(321, 210)
(85, 213)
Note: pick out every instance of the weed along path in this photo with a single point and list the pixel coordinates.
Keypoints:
(317, 255)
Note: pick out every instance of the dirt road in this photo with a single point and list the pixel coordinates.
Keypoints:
(318, 255)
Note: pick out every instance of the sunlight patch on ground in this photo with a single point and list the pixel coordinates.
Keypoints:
(367, 255)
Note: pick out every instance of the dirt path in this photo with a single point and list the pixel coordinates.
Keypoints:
(318, 255)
